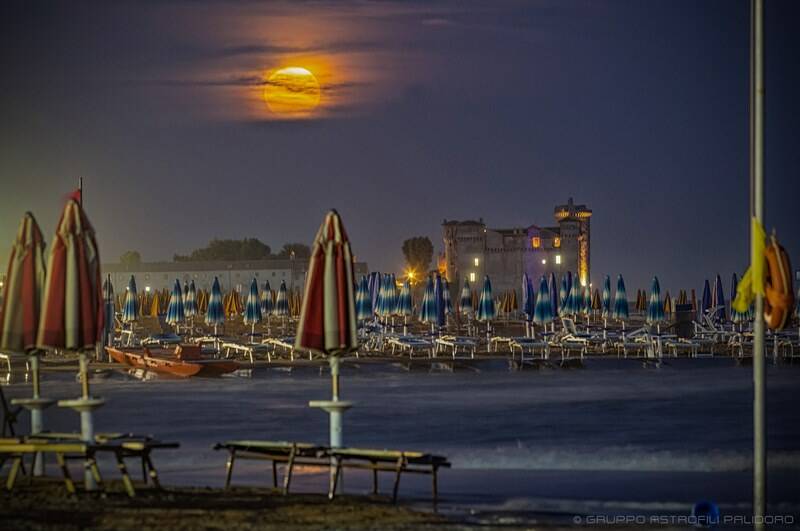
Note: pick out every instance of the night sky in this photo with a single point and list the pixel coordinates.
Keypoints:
(427, 111)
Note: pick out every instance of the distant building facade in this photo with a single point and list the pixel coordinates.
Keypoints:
(235, 275)
(473, 250)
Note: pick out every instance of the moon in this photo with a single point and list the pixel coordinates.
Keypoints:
(292, 91)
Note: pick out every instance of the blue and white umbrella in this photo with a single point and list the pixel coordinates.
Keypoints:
(553, 287)
(374, 284)
(215, 314)
(655, 308)
(574, 300)
(363, 301)
(718, 301)
(175, 314)
(190, 303)
(563, 297)
(528, 297)
(185, 293)
(427, 310)
(486, 310)
(130, 310)
(465, 300)
(281, 301)
(705, 301)
(252, 311)
(542, 312)
(586, 304)
(266, 300)
(438, 295)
(446, 299)
(620, 301)
(404, 305)
(606, 297)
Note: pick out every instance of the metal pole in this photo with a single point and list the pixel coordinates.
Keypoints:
(757, 191)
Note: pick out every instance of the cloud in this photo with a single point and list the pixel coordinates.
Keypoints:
(330, 48)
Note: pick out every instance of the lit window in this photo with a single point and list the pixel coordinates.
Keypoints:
(558, 258)
(472, 277)
(557, 243)
(536, 242)
(477, 262)
(544, 261)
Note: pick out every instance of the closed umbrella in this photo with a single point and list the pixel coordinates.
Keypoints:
(705, 302)
(621, 302)
(586, 305)
(563, 296)
(428, 309)
(655, 307)
(108, 318)
(327, 323)
(542, 313)
(404, 307)
(363, 301)
(282, 305)
(554, 300)
(23, 291)
(465, 301)
(190, 303)
(446, 299)
(130, 310)
(718, 301)
(528, 302)
(438, 292)
(73, 310)
(486, 311)
(175, 312)
(252, 311)
(215, 313)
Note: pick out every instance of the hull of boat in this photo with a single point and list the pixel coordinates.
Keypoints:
(175, 367)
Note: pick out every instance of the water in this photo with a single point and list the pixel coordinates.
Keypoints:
(615, 437)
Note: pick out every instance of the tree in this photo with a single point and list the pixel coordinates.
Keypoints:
(419, 253)
(231, 250)
(301, 250)
(130, 258)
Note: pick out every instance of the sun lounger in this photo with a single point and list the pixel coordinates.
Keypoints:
(293, 454)
(454, 343)
(411, 344)
(68, 447)
(285, 343)
(247, 350)
(529, 344)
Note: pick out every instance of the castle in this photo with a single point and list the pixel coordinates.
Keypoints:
(472, 250)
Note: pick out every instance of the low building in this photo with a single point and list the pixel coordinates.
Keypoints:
(473, 250)
(231, 274)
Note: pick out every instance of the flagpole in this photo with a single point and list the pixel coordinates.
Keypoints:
(757, 193)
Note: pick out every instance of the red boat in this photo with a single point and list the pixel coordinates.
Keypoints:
(184, 361)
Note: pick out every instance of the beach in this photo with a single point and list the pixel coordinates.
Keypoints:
(612, 437)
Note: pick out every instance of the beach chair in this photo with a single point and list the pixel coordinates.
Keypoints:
(529, 344)
(411, 344)
(285, 343)
(456, 344)
(246, 350)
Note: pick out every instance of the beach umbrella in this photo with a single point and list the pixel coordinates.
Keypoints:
(363, 301)
(155, 305)
(465, 301)
(215, 313)
(281, 301)
(486, 310)
(404, 307)
(718, 301)
(72, 309)
(554, 306)
(175, 313)
(327, 323)
(428, 309)
(438, 293)
(374, 284)
(736, 316)
(23, 291)
(705, 303)
(587, 300)
(252, 311)
(597, 304)
(573, 302)
(528, 302)
(606, 297)
(563, 296)
(190, 304)
(542, 313)
(130, 310)
(655, 308)
(667, 305)
(108, 319)
(266, 299)
(446, 299)
(620, 301)
(185, 294)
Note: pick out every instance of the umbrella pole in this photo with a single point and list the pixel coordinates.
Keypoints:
(37, 420)
(87, 422)
(405, 325)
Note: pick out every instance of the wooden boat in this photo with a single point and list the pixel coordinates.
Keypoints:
(185, 361)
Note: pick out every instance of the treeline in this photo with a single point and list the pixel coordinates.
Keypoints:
(231, 250)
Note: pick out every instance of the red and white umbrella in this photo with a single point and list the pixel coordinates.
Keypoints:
(328, 316)
(72, 312)
(23, 289)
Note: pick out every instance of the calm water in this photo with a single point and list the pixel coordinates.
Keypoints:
(614, 437)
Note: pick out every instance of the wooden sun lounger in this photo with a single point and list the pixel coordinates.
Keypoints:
(286, 343)
(531, 344)
(306, 454)
(465, 344)
(68, 447)
(246, 349)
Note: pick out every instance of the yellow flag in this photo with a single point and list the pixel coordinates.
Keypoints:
(752, 282)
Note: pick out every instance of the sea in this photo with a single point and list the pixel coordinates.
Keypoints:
(596, 443)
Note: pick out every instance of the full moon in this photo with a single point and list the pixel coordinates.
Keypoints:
(292, 91)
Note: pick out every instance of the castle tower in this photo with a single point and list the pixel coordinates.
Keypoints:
(574, 222)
